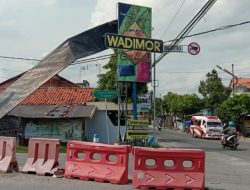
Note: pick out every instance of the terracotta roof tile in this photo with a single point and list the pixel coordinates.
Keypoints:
(58, 96)
(244, 82)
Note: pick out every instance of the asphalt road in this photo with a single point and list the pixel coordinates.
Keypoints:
(225, 169)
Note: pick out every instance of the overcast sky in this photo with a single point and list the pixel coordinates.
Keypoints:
(33, 28)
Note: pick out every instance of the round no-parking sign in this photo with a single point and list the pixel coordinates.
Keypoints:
(193, 48)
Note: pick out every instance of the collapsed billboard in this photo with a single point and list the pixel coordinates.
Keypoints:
(79, 46)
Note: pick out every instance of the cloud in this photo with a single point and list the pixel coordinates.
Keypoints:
(8, 29)
(222, 47)
(14, 5)
(24, 32)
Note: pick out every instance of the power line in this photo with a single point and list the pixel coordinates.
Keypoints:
(171, 22)
(214, 30)
(187, 29)
(183, 72)
(181, 88)
(19, 58)
(103, 57)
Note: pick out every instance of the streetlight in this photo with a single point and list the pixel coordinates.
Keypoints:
(232, 74)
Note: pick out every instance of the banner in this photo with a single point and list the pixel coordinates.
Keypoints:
(64, 130)
(134, 21)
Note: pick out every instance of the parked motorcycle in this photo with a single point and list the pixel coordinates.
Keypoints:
(232, 141)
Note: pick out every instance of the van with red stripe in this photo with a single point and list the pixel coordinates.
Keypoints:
(206, 127)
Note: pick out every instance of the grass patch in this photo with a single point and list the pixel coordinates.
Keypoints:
(63, 149)
(21, 149)
(24, 149)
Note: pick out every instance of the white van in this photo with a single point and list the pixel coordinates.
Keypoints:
(206, 127)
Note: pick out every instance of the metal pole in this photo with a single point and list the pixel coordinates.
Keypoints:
(134, 100)
(80, 75)
(107, 119)
(126, 105)
(154, 99)
(119, 110)
(233, 77)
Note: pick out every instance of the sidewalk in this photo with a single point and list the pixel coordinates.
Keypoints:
(245, 139)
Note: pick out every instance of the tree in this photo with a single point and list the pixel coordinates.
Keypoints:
(158, 108)
(213, 91)
(234, 107)
(170, 103)
(182, 105)
(107, 81)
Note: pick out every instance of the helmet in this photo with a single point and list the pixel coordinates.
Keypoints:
(231, 123)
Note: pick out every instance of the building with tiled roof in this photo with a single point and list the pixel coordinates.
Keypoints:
(56, 81)
(55, 109)
(241, 85)
(63, 110)
(59, 96)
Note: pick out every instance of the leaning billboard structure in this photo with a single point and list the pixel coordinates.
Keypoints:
(79, 46)
(134, 21)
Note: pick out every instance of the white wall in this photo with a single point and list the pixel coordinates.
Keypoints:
(98, 125)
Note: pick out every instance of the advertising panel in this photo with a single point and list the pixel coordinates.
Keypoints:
(59, 129)
(137, 132)
(134, 21)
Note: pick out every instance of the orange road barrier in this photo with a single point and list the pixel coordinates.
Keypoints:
(96, 161)
(168, 168)
(8, 154)
(42, 156)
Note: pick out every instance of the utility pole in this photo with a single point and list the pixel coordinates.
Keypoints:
(233, 77)
(230, 73)
(154, 123)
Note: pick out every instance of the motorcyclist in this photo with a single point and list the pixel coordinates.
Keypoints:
(159, 124)
(229, 131)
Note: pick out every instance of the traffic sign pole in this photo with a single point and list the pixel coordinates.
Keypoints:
(107, 119)
(154, 105)
(134, 100)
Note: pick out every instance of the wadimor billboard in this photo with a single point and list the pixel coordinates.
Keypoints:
(131, 43)
(134, 22)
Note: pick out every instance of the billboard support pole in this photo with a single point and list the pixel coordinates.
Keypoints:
(119, 111)
(154, 123)
(134, 100)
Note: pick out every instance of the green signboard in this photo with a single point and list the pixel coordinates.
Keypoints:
(102, 94)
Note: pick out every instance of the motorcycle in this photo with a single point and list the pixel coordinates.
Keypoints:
(232, 141)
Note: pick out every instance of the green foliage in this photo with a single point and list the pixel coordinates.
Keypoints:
(213, 91)
(234, 107)
(158, 108)
(21, 149)
(24, 149)
(181, 105)
(107, 81)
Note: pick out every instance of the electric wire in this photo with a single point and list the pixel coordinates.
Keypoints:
(19, 58)
(103, 57)
(187, 29)
(174, 17)
(213, 30)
